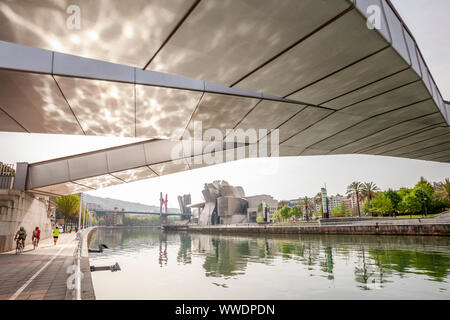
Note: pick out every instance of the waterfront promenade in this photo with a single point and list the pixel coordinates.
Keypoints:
(38, 274)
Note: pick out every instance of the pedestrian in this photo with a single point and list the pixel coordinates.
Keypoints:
(55, 234)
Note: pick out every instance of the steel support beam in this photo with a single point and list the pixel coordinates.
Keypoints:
(118, 164)
(16, 57)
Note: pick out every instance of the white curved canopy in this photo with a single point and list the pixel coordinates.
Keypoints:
(312, 69)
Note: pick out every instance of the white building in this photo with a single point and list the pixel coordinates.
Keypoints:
(255, 201)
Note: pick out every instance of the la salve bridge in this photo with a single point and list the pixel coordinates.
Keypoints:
(140, 212)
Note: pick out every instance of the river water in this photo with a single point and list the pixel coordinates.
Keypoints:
(181, 265)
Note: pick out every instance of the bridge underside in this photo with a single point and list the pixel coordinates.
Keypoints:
(311, 69)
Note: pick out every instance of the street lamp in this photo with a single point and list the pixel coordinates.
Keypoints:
(424, 203)
(79, 217)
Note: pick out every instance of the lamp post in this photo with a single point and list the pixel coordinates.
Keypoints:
(84, 217)
(424, 198)
(78, 266)
(79, 217)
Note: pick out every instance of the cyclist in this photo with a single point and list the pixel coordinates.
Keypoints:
(21, 234)
(55, 234)
(36, 235)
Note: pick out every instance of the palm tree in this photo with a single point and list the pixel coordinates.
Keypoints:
(308, 204)
(354, 190)
(282, 203)
(318, 199)
(368, 190)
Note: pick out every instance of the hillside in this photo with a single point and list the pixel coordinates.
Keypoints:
(110, 204)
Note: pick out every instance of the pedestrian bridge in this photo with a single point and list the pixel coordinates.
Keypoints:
(314, 70)
(102, 212)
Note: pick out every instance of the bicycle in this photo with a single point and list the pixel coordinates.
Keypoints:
(19, 246)
(35, 244)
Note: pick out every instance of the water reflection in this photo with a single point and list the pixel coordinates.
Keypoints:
(185, 252)
(163, 249)
(227, 258)
(292, 263)
(327, 264)
(364, 271)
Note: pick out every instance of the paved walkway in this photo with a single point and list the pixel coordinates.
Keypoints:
(445, 217)
(37, 274)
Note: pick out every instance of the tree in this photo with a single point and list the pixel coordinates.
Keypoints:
(394, 197)
(282, 203)
(424, 192)
(318, 199)
(276, 217)
(381, 204)
(445, 188)
(319, 213)
(425, 186)
(296, 211)
(307, 204)
(89, 220)
(410, 203)
(340, 210)
(92, 220)
(424, 198)
(440, 204)
(366, 206)
(368, 190)
(403, 192)
(285, 213)
(130, 220)
(441, 197)
(354, 190)
(68, 206)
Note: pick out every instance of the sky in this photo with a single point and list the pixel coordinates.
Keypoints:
(429, 23)
(284, 178)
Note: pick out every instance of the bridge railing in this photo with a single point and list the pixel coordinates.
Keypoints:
(81, 234)
(7, 174)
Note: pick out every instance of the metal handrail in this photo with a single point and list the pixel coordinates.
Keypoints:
(77, 256)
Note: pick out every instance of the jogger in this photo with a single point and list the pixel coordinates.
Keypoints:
(55, 234)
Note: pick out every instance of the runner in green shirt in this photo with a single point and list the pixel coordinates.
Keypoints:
(55, 234)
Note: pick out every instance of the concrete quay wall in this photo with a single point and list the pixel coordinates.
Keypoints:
(87, 287)
(437, 229)
(19, 208)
